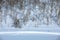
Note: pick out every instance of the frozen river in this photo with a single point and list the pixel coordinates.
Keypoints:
(29, 37)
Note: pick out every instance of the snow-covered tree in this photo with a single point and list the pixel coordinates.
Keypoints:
(22, 11)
